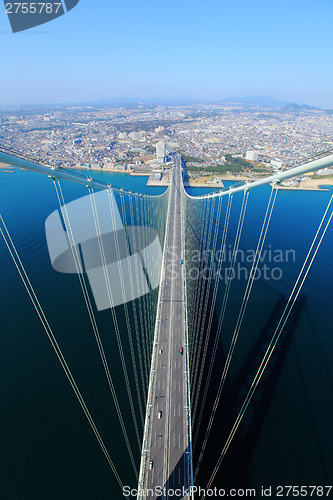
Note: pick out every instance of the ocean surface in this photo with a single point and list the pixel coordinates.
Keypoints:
(47, 449)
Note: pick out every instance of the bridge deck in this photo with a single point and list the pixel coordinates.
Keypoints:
(167, 460)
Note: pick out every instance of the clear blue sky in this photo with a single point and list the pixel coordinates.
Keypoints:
(176, 48)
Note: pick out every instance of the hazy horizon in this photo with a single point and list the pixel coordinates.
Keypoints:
(261, 101)
(182, 50)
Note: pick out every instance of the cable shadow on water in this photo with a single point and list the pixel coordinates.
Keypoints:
(316, 338)
(235, 469)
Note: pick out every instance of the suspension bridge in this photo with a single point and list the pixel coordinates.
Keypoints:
(135, 250)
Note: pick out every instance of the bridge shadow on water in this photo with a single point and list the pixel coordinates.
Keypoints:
(234, 471)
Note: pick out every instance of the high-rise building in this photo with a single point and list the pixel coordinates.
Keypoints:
(160, 151)
(252, 155)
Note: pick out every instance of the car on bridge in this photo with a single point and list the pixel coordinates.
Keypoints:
(151, 465)
(181, 351)
(159, 414)
(181, 262)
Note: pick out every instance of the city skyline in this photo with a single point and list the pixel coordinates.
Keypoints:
(172, 51)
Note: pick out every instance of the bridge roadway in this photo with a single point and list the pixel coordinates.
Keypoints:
(167, 455)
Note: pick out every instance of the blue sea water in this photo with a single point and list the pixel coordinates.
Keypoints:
(286, 435)
(48, 451)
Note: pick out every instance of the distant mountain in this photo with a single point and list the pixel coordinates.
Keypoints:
(115, 102)
(261, 101)
(300, 107)
(255, 100)
(173, 101)
(149, 101)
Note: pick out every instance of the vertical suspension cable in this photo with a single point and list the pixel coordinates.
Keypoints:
(277, 334)
(235, 250)
(199, 284)
(207, 295)
(204, 243)
(249, 285)
(212, 309)
(92, 318)
(149, 294)
(113, 313)
(144, 296)
(134, 305)
(199, 308)
(140, 340)
(206, 291)
(147, 219)
(128, 323)
(48, 330)
(192, 282)
(233, 262)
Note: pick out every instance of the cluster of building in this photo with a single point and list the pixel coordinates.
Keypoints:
(274, 136)
(82, 137)
(134, 139)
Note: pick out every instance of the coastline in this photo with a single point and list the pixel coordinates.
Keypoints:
(311, 185)
(110, 169)
(307, 184)
(193, 184)
(316, 183)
